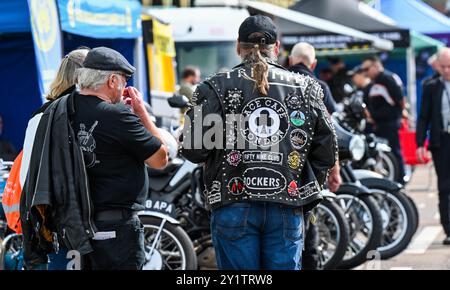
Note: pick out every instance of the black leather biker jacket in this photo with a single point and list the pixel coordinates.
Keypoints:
(274, 148)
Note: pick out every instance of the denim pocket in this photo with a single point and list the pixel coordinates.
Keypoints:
(230, 222)
(292, 223)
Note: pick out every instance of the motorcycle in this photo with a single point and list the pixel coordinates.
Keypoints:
(10, 243)
(378, 170)
(398, 211)
(167, 245)
(378, 156)
(357, 201)
(333, 231)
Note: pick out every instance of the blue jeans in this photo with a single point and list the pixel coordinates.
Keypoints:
(253, 236)
(58, 261)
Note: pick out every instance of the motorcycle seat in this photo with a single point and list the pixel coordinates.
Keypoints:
(152, 172)
(159, 183)
(160, 178)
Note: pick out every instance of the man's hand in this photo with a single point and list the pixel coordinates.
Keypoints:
(368, 116)
(334, 179)
(405, 114)
(422, 154)
(133, 97)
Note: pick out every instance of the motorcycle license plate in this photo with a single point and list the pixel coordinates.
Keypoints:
(161, 206)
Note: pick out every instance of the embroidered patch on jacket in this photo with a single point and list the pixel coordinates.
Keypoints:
(267, 122)
(262, 156)
(293, 189)
(236, 186)
(233, 100)
(298, 118)
(293, 101)
(298, 138)
(234, 158)
(309, 190)
(214, 195)
(263, 182)
(294, 160)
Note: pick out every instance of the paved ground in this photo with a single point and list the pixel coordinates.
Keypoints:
(426, 250)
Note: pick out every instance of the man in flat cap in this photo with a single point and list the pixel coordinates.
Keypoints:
(270, 166)
(117, 142)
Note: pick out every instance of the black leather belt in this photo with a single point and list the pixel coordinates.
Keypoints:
(114, 214)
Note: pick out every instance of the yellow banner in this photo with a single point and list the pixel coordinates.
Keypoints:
(163, 40)
(160, 48)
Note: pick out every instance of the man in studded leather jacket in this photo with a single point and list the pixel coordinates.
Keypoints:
(267, 145)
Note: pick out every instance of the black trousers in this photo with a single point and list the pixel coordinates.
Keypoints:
(310, 255)
(389, 131)
(441, 159)
(124, 252)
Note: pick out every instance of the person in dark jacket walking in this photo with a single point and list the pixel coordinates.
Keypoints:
(303, 60)
(434, 117)
(433, 62)
(386, 105)
(271, 163)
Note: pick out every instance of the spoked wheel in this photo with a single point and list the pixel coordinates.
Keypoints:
(398, 222)
(363, 215)
(333, 231)
(167, 248)
(387, 165)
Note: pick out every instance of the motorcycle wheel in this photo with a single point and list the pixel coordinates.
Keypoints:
(333, 231)
(174, 249)
(366, 228)
(399, 220)
(415, 211)
(388, 166)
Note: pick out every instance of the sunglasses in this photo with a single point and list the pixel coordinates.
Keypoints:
(127, 77)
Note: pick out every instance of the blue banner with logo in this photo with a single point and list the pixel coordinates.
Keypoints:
(101, 19)
(47, 41)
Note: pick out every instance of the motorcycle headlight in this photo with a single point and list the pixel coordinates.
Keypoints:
(357, 147)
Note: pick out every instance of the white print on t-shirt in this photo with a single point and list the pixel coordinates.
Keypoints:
(87, 144)
(379, 90)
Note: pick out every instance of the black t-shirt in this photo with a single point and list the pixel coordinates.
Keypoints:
(337, 84)
(115, 145)
(384, 98)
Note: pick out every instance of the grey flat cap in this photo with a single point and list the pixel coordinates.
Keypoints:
(104, 58)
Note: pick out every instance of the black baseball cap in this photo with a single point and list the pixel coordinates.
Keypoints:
(356, 70)
(104, 58)
(261, 24)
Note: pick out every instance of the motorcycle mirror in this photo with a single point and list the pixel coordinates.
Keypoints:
(178, 101)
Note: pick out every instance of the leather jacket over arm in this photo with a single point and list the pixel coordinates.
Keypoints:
(55, 207)
(276, 148)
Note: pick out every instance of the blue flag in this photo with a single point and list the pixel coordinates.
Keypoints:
(46, 33)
